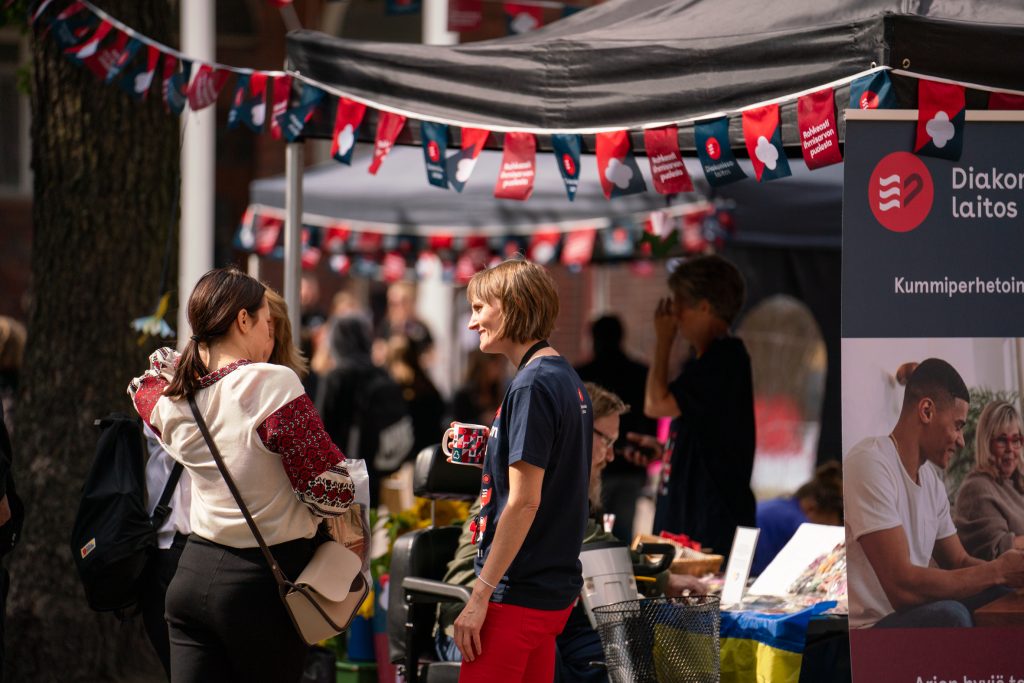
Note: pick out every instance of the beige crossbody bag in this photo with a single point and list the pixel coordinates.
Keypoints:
(324, 598)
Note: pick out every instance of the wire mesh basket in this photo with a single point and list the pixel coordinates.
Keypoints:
(663, 640)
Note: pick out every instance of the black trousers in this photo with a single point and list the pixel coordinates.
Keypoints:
(225, 619)
(160, 571)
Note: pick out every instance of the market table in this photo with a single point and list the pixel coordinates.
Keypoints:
(1005, 611)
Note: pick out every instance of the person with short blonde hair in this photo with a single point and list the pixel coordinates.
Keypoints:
(527, 294)
(989, 514)
(534, 493)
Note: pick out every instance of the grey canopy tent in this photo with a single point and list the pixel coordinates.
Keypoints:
(631, 63)
(627, 64)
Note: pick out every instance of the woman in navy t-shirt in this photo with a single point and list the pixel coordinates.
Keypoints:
(534, 485)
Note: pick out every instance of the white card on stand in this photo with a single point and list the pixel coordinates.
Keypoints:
(810, 542)
(738, 569)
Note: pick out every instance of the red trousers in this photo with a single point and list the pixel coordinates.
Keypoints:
(518, 645)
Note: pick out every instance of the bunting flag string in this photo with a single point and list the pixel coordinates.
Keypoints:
(119, 55)
(389, 252)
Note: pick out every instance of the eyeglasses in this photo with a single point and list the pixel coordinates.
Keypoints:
(1005, 442)
(605, 439)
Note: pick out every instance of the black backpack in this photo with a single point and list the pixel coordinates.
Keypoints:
(382, 431)
(113, 537)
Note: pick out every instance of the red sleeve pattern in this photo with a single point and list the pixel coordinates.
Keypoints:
(149, 391)
(313, 463)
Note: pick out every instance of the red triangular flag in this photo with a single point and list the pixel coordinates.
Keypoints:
(518, 167)
(206, 86)
(89, 47)
(616, 164)
(578, 247)
(346, 129)
(816, 121)
(389, 125)
(280, 92)
(940, 119)
(1005, 101)
(667, 169)
(544, 246)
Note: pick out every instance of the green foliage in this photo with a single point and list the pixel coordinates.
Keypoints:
(963, 461)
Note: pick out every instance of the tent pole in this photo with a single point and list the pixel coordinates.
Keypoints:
(435, 24)
(293, 165)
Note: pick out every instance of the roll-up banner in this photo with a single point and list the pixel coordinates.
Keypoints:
(932, 319)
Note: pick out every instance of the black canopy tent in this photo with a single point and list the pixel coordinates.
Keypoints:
(633, 63)
(627, 64)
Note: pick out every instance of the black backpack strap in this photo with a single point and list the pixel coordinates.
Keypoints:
(162, 510)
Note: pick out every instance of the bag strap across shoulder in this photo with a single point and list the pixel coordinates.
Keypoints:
(282, 582)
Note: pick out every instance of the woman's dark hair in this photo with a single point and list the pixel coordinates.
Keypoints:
(212, 309)
(825, 489)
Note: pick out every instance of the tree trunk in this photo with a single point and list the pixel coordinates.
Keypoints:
(105, 169)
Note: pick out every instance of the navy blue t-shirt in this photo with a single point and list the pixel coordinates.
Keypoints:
(545, 420)
(705, 488)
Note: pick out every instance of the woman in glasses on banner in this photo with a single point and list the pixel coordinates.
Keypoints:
(990, 504)
(534, 485)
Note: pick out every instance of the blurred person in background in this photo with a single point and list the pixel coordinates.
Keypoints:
(424, 401)
(400, 318)
(612, 368)
(12, 351)
(362, 406)
(819, 501)
(478, 398)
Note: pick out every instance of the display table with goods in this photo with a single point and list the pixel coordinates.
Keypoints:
(790, 625)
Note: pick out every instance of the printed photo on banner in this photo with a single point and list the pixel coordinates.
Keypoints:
(932, 380)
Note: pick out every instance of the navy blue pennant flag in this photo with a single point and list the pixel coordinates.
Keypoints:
(238, 100)
(617, 242)
(873, 92)
(461, 164)
(177, 88)
(69, 29)
(566, 149)
(435, 147)
(139, 80)
(715, 152)
(294, 119)
(400, 7)
(126, 56)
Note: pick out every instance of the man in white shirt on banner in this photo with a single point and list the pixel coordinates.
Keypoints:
(898, 519)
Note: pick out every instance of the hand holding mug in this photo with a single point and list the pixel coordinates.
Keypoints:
(465, 444)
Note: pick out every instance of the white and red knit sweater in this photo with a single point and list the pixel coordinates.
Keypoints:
(273, 442)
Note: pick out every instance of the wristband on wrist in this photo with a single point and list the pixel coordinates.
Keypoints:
(486, 583)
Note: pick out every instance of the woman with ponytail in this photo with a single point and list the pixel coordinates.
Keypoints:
(225, 619)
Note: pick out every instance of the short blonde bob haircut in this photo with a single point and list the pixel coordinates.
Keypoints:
(285, 352)
(527, 297)
(996, 417)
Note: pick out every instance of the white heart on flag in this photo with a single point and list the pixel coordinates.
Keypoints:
(88, 50)
(523, 23)
(346, 138)
(618, 173)
(766, 153)
(143, 81)
(544, 252)
(464, 169)
(940, 129)
(259, 112)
